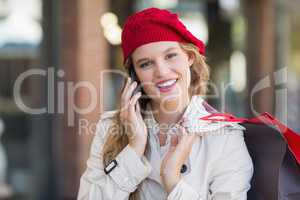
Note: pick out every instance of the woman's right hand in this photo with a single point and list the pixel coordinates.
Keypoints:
(131, 118)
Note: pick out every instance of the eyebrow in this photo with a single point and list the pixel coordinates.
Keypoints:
(165, 51)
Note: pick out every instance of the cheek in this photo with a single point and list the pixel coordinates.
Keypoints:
(146, 78)
(185, 72)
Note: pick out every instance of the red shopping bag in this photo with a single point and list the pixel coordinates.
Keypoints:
(275, 151)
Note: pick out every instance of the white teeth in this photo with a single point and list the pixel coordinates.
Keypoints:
(167, 83)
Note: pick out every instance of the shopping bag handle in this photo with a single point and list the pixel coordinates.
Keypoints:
(291, 137)
(222, 117)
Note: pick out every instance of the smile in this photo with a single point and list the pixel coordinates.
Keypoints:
(166, 86)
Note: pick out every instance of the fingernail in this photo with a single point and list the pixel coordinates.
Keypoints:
(174, 140)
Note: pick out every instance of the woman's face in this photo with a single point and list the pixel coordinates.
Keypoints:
(163, 68)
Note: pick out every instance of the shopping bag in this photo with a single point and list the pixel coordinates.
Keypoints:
(275, 152)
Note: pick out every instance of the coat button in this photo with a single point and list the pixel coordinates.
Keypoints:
(183, 168)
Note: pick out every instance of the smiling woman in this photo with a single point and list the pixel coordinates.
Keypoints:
(144, 150)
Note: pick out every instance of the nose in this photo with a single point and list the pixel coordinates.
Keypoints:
(162, 68)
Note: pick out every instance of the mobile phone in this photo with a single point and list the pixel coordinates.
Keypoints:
(133, 77)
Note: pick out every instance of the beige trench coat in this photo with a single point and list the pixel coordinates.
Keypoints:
(219, 166)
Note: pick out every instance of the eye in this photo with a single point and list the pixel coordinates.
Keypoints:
(171, 55)
(145, 64)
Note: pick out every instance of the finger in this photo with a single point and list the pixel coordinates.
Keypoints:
(124, 91)
(125, 104)
(187, 136)
(134, 99)
(180, 132)
(128, 94)
(138, 108)
(174, 140)
(185, 142)
(170, 152)
(133, 102)
(173, 144)
(127, 82)
(191, 138)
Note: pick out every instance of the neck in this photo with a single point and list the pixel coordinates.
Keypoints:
(170, 111)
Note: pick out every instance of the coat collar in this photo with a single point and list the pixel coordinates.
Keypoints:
(197, 107)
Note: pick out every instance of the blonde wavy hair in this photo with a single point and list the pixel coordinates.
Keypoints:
(117, 139)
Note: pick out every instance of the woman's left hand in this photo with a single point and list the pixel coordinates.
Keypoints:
(181, 145)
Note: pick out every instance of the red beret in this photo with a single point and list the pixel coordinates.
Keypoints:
(152, 25)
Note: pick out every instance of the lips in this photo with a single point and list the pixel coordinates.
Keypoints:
(167, 85)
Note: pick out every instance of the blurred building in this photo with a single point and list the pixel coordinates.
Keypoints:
(53, 55)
